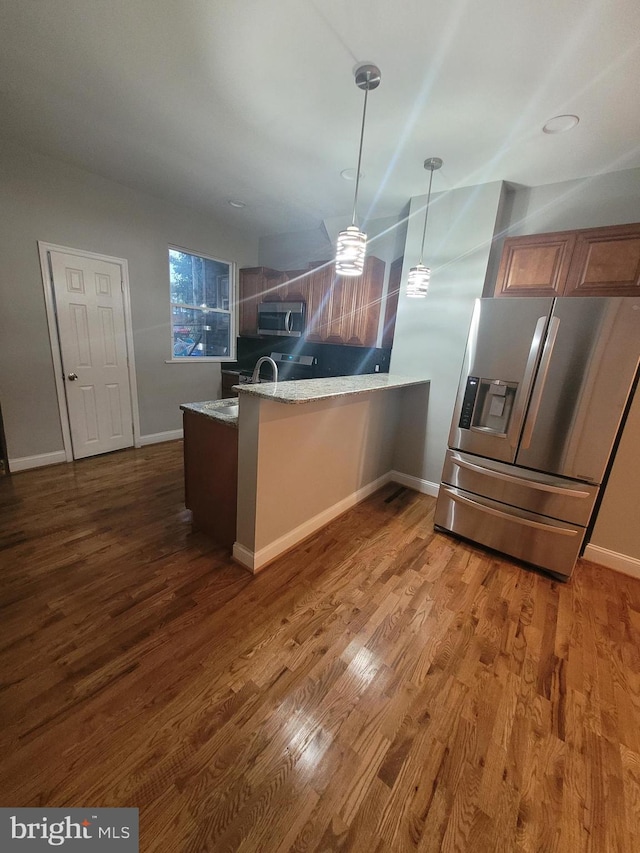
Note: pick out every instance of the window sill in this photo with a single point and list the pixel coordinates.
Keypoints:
(200, 360)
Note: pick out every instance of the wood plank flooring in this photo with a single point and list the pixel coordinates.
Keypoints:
(379, 688)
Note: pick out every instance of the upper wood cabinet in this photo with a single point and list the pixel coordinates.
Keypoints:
(340, 310)
(606, 262)
(257, 284)
(391, 302)
(591, 262)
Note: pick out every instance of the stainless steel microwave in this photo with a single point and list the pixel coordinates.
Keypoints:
(285, 319)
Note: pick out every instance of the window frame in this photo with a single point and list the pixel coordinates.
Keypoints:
(232, 311)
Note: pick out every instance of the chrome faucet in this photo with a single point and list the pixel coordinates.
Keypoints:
(255, 376)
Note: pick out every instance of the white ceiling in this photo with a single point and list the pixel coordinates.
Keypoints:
(202, 101)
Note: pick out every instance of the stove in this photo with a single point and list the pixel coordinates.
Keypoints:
(290, 366)
(293, 366)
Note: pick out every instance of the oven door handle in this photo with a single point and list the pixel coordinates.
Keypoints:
(288, 326)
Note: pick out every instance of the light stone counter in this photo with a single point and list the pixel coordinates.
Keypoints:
(311, 390)
(300, 391)
(224, 411)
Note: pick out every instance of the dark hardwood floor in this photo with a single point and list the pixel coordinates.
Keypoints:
(379, 688)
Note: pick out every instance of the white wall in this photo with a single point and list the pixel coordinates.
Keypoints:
(297, 249)
(301, 465)
(616, 527)
(431, 333)
(44, 199)
(612, 199)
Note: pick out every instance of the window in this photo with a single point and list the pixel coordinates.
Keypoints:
(201, 306)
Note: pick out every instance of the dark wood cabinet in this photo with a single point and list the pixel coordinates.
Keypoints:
(590, 262)
(391, 302)
(606, 262)
(229, 379)
(340, 309)
(535, 265)
(211, 476)
(257, 284)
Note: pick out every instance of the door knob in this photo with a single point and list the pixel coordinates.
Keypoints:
(72, 377)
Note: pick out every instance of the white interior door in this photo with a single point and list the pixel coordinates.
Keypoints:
(93, 347)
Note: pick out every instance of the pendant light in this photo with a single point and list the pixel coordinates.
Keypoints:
(418, 281)
(352, 242)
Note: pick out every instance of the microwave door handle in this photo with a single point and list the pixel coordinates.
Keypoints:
(288, 327)
(513, 433)
(536, 399)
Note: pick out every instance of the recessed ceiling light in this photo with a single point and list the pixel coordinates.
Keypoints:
(350, 174)
(560, 124)
(236, 203)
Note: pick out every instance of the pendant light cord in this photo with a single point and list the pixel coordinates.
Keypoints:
(426, 215)
(364, 114)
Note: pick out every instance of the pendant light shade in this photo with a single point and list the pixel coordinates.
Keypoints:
(350, 249)
(352, 242)
(418, 280)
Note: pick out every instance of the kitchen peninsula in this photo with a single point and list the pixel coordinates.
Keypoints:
(307, 451)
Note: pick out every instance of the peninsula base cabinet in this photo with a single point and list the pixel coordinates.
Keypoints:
(211, 476)
(590, 262)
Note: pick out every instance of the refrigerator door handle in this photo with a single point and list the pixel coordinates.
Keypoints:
(532, 484)
(561, 531)
(513, 433)
(536, 398)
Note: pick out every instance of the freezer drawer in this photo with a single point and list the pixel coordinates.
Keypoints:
(529, 490)
(536, 539)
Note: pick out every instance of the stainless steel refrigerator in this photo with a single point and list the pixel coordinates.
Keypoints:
(544, 388)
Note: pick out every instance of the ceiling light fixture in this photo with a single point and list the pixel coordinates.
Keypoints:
(560, 124)
(238, 204)
(352, 242)
(418, 281)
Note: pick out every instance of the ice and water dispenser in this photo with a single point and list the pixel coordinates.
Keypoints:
(487, 405)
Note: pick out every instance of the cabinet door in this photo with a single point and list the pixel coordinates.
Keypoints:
(275, 286)
(347, 309)
(535, 265)
(606, 262)
(366, 317)
(391, 302)
(320, 281)
(250, 294)
(298, 285)
(256, 285)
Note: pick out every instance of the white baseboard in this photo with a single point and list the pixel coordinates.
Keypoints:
(415, 483)
(256, 560)
(158, 437)
(23, 463)
(244, 556)
(613, 560)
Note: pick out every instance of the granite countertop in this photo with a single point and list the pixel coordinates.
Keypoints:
(212, 409)
(301, 391)
(309, 390)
